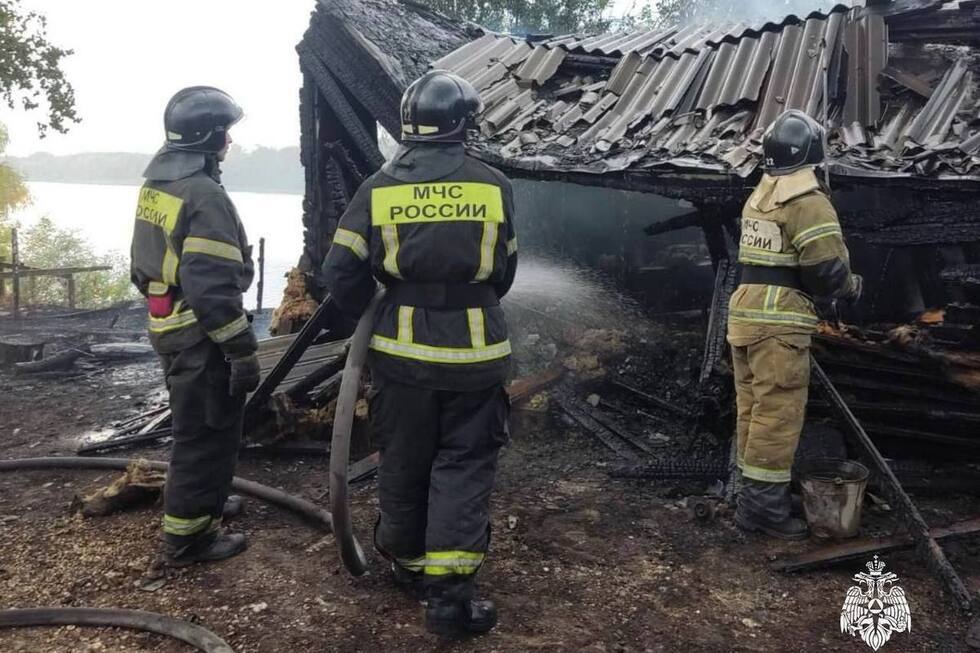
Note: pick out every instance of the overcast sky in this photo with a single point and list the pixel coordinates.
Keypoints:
(132, 55)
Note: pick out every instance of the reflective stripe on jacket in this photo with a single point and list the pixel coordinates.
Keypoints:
(788, 222)
(454, 229)
(189, 242)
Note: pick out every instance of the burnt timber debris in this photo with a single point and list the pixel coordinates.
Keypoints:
(918, 529)
(680, 113)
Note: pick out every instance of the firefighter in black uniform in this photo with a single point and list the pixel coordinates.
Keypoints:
(435, 227)
(192, 261)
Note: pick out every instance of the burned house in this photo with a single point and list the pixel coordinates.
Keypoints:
(637, 149)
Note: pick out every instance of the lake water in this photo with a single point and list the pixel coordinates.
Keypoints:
(104, 216)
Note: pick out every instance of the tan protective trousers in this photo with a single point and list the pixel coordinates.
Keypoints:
(772, 379)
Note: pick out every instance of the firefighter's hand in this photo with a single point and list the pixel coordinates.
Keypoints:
(244, 375)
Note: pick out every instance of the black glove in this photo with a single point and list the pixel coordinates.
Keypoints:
(857, 288)
(245, 372)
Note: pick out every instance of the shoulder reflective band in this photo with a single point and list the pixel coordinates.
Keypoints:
(217, 248)
(512, 246)
(816, 232)
(352, 241)
(439, 202)
(159, 208)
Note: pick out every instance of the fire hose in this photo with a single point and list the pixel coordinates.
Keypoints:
(295, 504)
(198, 637)
(194, 635)
(339, 523)
(350, 549)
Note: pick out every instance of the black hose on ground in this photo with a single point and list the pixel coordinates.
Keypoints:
(295, 504)
(196, 636)
(350, 549)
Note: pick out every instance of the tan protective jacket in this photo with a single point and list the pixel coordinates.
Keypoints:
(788, 222)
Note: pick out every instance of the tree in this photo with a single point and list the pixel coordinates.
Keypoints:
(529, 16)
(45, 245)
(30, 68)
(13, 195)
(684, 12)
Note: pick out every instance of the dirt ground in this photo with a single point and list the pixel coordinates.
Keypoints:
(581, 561)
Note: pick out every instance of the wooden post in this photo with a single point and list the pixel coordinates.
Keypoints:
(71, 291)
(260, 286)
(15, 259)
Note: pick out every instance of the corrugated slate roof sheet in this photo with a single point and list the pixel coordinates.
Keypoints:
(700, 97)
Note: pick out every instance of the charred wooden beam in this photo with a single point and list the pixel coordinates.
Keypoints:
(862, 549)
(919, 530)
(297, 348)
(656, 401)
(692, 219)
(523, 389)
(599, 431)
(60, 361)
(715, 346)
(355, 130)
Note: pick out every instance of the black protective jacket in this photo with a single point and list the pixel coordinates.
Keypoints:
(189, 248)
(436, 227)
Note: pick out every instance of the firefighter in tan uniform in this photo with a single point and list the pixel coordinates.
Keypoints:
(791, 249)
(435, 227)
(192, 261)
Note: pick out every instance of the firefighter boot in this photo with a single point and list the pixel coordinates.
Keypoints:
(452, 612)
(765, 507)
(234, 506)
(181, 551)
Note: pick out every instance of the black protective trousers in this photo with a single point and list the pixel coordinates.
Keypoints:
(439, 453)
(207, 430)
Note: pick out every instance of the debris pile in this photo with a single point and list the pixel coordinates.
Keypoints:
(699, 97)
(297, 305)
(138, 486)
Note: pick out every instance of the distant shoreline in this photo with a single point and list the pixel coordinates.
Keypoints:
(230, 189)
(261, 170)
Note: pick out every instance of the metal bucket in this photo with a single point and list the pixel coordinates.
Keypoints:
(833, 493)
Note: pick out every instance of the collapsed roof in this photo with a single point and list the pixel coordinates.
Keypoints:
(701, 97)
(901, 83)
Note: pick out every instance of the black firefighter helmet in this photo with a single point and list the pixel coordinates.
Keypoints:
(794, 141)
(197, 119)
(439, 107)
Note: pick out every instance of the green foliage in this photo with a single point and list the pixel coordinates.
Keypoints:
(30, 68)
(664, 13)
(529, 16)
(13, 195)
(45, 245)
